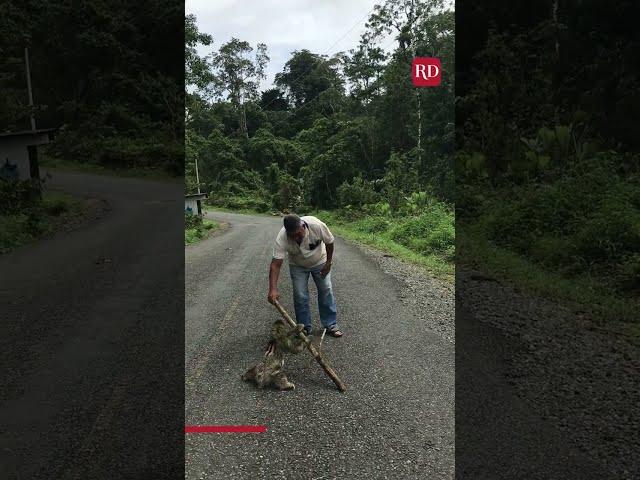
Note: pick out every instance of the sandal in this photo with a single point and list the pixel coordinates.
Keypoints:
(335, 333)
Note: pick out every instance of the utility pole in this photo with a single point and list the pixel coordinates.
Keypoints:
(26, 61)
(197, 176)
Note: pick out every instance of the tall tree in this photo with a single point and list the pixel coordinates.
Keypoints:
(406, 19)
(306, 75)
(363, 68)
(239, 76)
(197, 71)
(334, 123)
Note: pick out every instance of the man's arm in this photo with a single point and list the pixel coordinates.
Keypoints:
(274, 274)
(327, 266)
(329, 247)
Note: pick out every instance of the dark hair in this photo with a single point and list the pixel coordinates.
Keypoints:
(292, 223)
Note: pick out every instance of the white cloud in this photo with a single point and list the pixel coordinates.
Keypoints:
(321, 26)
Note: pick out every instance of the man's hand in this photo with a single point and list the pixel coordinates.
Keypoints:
(273, 296)
(274, 273)
(325, 269)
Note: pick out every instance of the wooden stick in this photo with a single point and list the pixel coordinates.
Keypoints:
(323, 363)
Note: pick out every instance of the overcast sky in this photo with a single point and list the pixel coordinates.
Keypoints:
(321, 26)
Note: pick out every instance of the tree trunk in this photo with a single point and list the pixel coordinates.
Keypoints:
(555, 25)
(419, 115)
(419, 126)
(243, 122)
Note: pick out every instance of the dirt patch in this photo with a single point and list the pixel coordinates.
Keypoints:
(92, 210)
(222, 227)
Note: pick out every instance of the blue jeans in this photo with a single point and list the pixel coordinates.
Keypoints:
(326, 301)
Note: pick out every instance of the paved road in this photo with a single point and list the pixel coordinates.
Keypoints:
(85, 343)
(396, 420)
(499, 434)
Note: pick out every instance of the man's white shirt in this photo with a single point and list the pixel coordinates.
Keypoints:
(317, 233)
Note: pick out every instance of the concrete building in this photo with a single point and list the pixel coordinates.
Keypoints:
(193, 203)
(19, 153)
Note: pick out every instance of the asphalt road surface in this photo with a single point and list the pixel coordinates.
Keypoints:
(91, 320)
(396, 420)
(499, 434)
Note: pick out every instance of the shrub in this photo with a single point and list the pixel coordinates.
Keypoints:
(192, 221)
(432, 232)
(380, 209)
(56, 206)
(373, 225)
(242, 202)
(356, 193)
(12, 231)
(289, 196)
(16, 196)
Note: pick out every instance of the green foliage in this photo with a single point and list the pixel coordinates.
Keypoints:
(307, 75)
(547, 176)
(16, 230)
(197, 228)
(17, 196)
(24, 215)
(196, 68)
(346, 132)
(555, 147)
(431, 232)
(240, 202)
(417, 202)
(289, 195)
(426, 236)
(192, 221)
(265, 149)
(374, 224)
(118, 104)
(357, 193)
(382, 209)
(586, 222)
(56, 206)
(471, 165)
(399, 179)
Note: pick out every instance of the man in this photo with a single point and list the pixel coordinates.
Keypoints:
(309, 244)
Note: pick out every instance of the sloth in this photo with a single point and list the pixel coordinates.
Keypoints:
(269, 372)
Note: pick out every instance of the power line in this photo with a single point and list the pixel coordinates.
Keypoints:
(317, 62)
(297, 109)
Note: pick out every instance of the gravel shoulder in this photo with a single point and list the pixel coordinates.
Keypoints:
(93, 209)
(430, 299)
(576, 374)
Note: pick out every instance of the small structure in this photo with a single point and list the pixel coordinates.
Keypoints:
(193, 203)
(19, 153)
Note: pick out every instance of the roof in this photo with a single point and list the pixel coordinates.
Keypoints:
(195, 195)
(27, 132)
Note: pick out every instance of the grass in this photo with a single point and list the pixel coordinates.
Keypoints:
(432, 263)
(572, 236)
(582, 293)
(196, 234)
(245, 211)
(95, 169)
(356, 230)
(55, 210)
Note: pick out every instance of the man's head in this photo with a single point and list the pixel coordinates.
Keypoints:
(294, 227)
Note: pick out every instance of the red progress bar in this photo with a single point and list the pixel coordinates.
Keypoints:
(225, 429)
